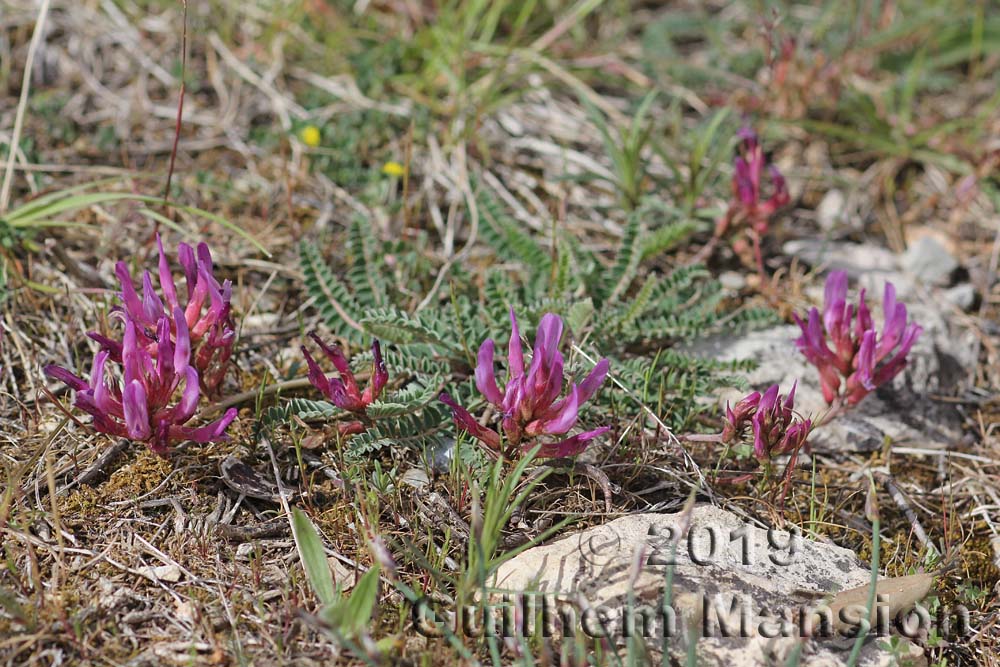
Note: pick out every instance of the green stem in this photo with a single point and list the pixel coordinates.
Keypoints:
(860, 640)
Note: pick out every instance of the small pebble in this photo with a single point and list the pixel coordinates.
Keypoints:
(830, 212)
(733, 281)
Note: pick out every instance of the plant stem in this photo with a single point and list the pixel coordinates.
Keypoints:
(701, 437)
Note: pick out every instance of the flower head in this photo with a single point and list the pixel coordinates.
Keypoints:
(310, 136)
(775, 428)
(142, 406)
(394, 169)
(343, 391)
(529, 403)
(748, 201)
(861, 359)
(211, 333)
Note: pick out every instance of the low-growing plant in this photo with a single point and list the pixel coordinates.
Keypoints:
(529, 405)
(183, 346)
(347, 617)
(863, 357)
(749, 208)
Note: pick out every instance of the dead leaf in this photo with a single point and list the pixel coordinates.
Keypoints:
(896, 593)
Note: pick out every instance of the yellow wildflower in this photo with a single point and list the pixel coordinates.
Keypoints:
(393, 169)
(310, 136)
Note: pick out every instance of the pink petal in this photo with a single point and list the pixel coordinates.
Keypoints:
(547, 339)
(166, 277)
(465, 421)
(213, 432)
(769, 399)
(152, 307)
(835, 293)
(182, 348)
(892, 368)
(486, 381)
(131, 354)
(189, 397)
(316, 376)
(185, 256)
(865, 360)
(135, 409)
(561, 421)
(594, 380)
(66, 377)
(864, 321)
(164, 350)
(205, 257)
(334, 354)
(548, 392)
(130, 298)
(760, 444)
(102, 396)
(568, 447)
(112, 346)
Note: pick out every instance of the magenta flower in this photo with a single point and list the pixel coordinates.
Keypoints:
(775, 429)
(212, 332)
(529, 403)
(860, 356)
(343, 391)
(748, 202)
(141, 408)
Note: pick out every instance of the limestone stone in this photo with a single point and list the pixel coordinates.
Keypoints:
(740, 591)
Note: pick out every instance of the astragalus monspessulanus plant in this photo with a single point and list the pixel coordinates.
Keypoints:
(529, 408)
(755, 200)
(863, 358)
(147, 386)
(342, 390)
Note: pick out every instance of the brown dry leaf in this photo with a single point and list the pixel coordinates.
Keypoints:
(898, 593)
(342, 575)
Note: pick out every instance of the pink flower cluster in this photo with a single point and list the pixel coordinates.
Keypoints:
(748, 203)
(775, 428)
(343, 391)
(165, 350)
(862, 358)
(529, 402)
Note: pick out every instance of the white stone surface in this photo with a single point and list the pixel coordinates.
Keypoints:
(743, 585)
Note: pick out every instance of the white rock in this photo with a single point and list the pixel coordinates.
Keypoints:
(167, 573)
(727, 575)
(732, 280)
(930, 261)
(963, 296)
(856, 258)
(415, 477)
